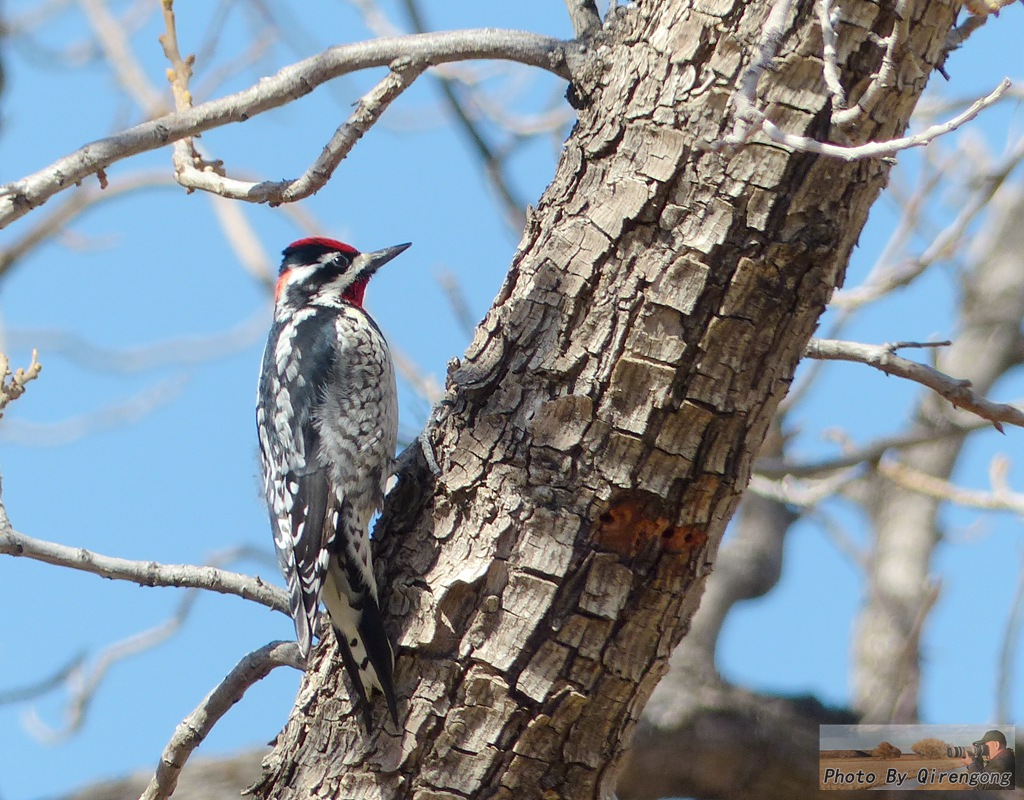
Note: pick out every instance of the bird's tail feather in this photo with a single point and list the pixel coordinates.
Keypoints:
(363, 642)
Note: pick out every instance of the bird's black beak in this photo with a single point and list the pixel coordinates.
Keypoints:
(366, 264)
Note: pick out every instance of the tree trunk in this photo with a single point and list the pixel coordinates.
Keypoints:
(596, 437)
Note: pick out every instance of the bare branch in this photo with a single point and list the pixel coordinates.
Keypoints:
(883, 79)
(144, 573)
(114, 42)
(492, 161)
(186, 157)
(878, 149)
(586, 21)
(81, 200)
(747, 114)
(750, 119)
(999, 498)
(882, 279)
(375, 19)
(1011, 634)
(368, 111)
(882, 357)
(456, 298)
(131, 409)
(828, 18)
(866, 454)
(243, 239)
(805, 494)
(196, 726)
(552, 121)
(20, 197)
(942, 245)
(180, 73)
(423, 384)
(12, 384)
(43, 686)
(185, 351)
(83, 683)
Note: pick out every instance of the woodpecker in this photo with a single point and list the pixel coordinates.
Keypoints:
(327, 418)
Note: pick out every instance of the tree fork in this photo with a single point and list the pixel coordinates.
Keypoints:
(598, 432)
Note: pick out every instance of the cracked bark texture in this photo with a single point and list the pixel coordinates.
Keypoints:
(597, 434)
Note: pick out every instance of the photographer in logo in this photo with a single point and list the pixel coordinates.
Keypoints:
(988, 754)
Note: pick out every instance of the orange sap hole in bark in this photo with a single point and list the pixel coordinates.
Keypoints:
(631, 526)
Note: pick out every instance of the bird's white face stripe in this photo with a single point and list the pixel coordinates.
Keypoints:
(297, 275)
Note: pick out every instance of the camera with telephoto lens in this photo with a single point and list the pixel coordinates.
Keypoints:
(976, 751)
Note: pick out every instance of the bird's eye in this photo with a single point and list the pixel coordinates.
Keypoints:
(337, 260)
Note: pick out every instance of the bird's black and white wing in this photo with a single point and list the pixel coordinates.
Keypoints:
(296, 485)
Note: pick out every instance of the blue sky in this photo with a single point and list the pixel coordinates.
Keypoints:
(160, 462)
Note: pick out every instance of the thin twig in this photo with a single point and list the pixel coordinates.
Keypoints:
(456, 298)
(80, 200)
(870, 453)
(181, 68)
(368, 111)
(941, 245)
(882, 79)
(423, 384)
(115, 415)
(743, 100)
(892, 347)
(806, 493)
(911, 223)
(83, 682)
(994, 499)
(115, 44)
(553, 121)
(144, 573)
(242, 237)
(885, 149)
(12, 384)
(44, 685)
(185, 155)
(183, 351)
(493, 163)
(196, 726)
(882, 357)
(828, 18)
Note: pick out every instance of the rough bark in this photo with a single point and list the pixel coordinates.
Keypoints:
(596, 436)
(694, 711)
